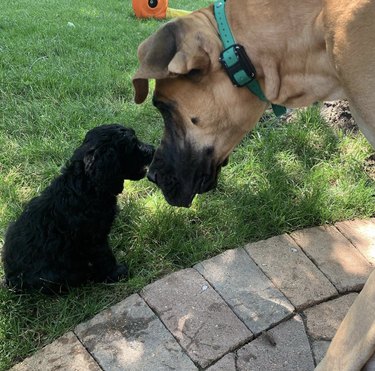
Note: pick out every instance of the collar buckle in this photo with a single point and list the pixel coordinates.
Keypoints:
(237, 65)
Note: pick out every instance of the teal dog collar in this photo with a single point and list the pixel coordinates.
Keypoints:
(236, 62)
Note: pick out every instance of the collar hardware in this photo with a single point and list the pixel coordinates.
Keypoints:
(238, 66)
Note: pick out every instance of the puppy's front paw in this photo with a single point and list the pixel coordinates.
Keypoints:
(120, 272)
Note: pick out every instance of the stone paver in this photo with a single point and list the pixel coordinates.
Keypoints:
(362, 235)
(227, 363)
(335, 256)
(288, 349)
(196, 315)
(66, 353)
(247, 290)
(291, 271)
(319, 348)
(129, 336)
(323, 320)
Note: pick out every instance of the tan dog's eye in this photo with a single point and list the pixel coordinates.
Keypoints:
(195, 75)
(195, 120)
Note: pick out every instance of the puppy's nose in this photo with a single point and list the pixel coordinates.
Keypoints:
(148, 152)
(152, 176)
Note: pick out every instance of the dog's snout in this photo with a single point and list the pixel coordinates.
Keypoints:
(152, 176)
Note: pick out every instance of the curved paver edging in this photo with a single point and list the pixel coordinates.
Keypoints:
(272, 305)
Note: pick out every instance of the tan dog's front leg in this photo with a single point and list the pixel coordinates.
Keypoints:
(354, 342)
(370, 365)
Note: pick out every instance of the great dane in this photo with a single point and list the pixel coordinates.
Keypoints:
(303, 51)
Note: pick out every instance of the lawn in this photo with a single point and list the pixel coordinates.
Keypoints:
(65, 67)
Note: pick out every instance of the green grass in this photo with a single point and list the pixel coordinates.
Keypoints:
(58, 81)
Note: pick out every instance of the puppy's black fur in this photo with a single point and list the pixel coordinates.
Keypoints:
(61, 238)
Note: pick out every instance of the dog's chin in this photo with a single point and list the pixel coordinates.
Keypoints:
(184, 198)
(179, 201)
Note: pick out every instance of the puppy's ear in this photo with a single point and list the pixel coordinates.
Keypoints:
(88, 160)
(174, 50)
(103, 169)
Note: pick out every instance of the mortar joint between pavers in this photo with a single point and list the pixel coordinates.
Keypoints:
(228, 304)
(270, 279)
(325, 300)
(351, 242)
(309, 337)
(174, 337)
(314, 262)
(88, 351)
(300, 308)
(255, 336)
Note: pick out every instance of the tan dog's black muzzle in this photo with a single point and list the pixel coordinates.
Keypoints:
(181, 174)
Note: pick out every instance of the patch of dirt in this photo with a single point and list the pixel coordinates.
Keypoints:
(337, 114)
(369, 166)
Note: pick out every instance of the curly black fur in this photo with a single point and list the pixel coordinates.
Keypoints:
(61, 238)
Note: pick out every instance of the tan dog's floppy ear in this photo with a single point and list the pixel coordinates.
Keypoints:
(185, 61)
(141, 89)
(153, 57)
(164, 55)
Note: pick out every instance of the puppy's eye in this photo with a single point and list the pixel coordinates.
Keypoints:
(195, 120)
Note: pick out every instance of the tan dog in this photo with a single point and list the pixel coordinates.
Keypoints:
(303, 51)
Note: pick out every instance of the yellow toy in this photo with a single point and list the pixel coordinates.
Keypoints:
(156, 9)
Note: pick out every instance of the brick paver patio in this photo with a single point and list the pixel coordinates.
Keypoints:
(272, 305)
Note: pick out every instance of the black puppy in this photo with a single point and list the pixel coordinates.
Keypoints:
(61, 238)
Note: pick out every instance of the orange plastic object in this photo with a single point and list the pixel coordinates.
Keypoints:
(150, 8)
